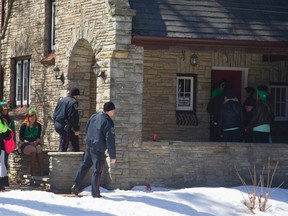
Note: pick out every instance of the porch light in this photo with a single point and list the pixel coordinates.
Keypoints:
(98, 72)
(194, 60)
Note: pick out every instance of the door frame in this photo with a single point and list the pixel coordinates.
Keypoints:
(244, 77)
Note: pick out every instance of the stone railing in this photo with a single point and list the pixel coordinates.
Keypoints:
(168, 164)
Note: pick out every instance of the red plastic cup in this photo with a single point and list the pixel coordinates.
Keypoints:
(155, 137)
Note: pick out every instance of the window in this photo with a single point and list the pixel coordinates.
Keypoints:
(279, 95)
(23, 82)
(185, 93)
(52, 24)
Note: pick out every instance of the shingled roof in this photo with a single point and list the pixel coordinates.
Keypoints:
(247, 20)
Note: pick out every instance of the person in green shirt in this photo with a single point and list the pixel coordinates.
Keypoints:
(29, 136)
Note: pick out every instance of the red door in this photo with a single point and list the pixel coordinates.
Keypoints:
(233, 77)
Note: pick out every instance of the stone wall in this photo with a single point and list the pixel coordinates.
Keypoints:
(172, 164)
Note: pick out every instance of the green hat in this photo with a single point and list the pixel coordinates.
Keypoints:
(262, 95)
(4, 105)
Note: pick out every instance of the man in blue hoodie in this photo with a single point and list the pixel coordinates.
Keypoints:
(100, 136)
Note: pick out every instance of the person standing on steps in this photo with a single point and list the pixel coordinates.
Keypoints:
(66, 121)
(100, 136)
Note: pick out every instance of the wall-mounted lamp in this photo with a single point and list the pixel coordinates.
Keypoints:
(194, 60)
(57, 73)
(98, 72)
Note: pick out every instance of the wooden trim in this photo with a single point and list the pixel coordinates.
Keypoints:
(190, 43)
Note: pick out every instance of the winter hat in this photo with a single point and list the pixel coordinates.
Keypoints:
(108, 106)
(230, 93)
(74, 92)
(262, 95)
(4, 105)
(250, 90)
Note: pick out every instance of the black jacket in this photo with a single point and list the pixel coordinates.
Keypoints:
(67, 110)
(230, 116)
(262, 114)
(100, 133)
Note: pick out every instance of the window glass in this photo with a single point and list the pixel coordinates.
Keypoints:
(185, 93)
(280, 102)
(23, 82)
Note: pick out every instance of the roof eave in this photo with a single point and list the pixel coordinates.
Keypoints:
(149, 42)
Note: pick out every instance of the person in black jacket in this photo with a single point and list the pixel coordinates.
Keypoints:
(66, 121)
(100, 136)
(231, 118)
(263, 117)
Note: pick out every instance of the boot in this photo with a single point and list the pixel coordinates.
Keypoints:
(33, 164)
(40, 163)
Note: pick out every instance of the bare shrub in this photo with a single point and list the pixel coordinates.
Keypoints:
(263, 196)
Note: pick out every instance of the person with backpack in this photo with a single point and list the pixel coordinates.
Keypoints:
(11, 124)
(231, 118)
(5, 134)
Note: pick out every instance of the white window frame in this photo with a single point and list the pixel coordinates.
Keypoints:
(23, 82)
(279, 94)
(53, 18)
(184, 96)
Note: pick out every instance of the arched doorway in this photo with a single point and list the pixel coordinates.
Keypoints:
(80, 75)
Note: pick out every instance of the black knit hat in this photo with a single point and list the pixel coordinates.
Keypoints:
(108, 106)
(74, 92)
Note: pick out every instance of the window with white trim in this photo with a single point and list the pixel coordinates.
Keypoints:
(185, 93)
(279, 95)
(23, 82)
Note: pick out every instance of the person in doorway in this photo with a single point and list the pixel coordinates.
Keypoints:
(11, 124)
(262, 119)
(248, 106)
(231, 118)
(66, 121)
(213, 108)
(100, 136)
(29, 136)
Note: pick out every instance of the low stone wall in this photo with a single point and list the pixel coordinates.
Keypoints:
(19, 165)
(190, 164)
(170, 164)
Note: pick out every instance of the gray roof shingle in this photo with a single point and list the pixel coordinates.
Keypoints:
(255, 20)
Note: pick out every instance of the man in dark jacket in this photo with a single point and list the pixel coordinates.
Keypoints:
(231, 118)
(262, 119)
(66, 121)
(100, 136)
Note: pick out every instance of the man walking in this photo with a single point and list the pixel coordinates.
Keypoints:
(100, 136)
(66, 121)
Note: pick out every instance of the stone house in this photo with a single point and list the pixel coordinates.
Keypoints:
(159, 61)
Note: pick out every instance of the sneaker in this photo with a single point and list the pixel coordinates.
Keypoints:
(75, 190)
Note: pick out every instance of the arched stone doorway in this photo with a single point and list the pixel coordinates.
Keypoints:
(80, 75)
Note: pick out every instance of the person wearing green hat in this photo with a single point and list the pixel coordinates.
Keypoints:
(30, 136)
(263, 116)
(11, 124)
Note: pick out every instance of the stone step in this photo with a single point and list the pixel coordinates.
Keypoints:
(45, 179)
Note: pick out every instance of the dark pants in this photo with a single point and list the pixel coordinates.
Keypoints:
(261, 137)
(66, 137)
(96, 160)
(214, 132)
(232, 136)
